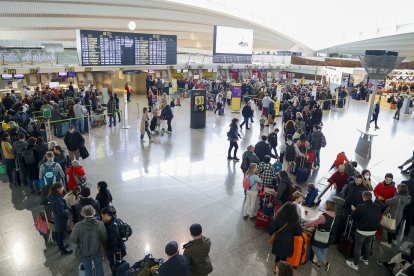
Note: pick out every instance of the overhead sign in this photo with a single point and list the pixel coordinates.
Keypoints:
(34, 70)
(11, 71)
(232, 45)
(69, 69)
(104, 48)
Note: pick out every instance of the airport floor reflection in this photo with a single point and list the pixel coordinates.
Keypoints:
(161, 188)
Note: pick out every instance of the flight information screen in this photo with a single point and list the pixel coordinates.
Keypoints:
(104, 48)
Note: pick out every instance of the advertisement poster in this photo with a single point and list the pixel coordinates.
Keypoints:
(235, 97)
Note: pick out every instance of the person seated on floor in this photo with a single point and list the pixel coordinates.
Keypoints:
(401, 261)
(311, 196)
(410, 160)
(339, 179)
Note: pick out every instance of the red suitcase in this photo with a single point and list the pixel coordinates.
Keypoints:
(301, 245)
(346, 244)
(262, 221)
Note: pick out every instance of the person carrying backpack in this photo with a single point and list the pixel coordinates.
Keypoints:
(289, 151)
(89, 235)
(248, 158)
(30, 160)
(50, 172)
(22, 118)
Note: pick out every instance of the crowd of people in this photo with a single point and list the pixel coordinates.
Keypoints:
(360, 207)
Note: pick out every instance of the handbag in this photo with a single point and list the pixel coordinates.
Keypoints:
(388, 222)
(273, 237)
(83, 152)
(323, 236)
(41, 225)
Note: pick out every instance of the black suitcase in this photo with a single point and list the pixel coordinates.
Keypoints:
(346, 245)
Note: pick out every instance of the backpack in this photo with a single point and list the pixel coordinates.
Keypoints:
(246, 182)
(245, 164)
(323, 141)
(125, 231)
(90, 243)
(28, 157)
(50, 173)
(32, 127)
(290, 152)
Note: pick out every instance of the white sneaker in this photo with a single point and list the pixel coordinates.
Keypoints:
(363, 260)
(351, 265)
(394, 242)
(386, 244)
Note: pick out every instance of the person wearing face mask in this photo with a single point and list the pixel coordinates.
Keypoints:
(385, 189)
(353, 193)
(339, 179)
(366, 181)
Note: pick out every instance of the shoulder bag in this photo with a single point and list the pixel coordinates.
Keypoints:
(273, 237)
(388, 222)
(321, 235)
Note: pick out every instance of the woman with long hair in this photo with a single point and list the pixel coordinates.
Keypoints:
(367, 182)
(255, 184)
(285, 226)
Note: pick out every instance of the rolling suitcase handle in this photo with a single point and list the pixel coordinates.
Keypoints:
(349, 223)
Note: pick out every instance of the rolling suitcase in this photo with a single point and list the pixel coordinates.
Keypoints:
(346, 244)
(301, 245)
(262, 221)
(221, 111)
(302, 175)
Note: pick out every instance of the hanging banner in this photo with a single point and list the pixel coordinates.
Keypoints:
(235, 97)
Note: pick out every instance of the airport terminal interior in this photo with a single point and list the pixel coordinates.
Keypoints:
(151, 97)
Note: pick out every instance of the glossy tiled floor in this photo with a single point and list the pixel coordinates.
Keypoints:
(163, 187)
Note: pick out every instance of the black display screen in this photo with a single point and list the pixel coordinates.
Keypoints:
(103, 48)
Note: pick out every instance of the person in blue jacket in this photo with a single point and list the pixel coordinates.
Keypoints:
(166, 113)
(176, 264)
(311, 196)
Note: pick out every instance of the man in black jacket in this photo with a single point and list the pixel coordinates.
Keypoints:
(73, 141)
(246, 112)
(262, 149)
(86, 200)
(399, 105)
(375, 114)
(353, 193)
(367, 217)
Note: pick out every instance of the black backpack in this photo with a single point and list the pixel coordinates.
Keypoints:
(125, 231)
(28, 157)
(290, 153)
(245, 164)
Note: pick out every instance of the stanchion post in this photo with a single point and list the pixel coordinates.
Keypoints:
(138, 110)
(49, 133)
(125, 113)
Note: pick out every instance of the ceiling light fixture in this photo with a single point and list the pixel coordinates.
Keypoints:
(132, 25)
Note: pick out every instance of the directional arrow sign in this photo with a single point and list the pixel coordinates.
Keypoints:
(201, 107)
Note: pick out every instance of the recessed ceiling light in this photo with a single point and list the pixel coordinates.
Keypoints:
(132, 25)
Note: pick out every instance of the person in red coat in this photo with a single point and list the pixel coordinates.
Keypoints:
(80, 175)
(339, 179)
(386, 189)
(340, 159)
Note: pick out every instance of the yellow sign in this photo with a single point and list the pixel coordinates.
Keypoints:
(88, 69)
(199, 100)
(11, 71)
(277, 106)
(70, 69)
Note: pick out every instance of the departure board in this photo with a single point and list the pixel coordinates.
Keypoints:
(104, 48)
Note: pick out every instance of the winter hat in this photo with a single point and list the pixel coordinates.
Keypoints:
(171, 248)
(195, 229)
(75, 163)
(86, 192)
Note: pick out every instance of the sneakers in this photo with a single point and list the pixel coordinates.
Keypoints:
(363, 260)
(151, 140)
(316, 167)
(229, 158)
(385, 266)
(315, 264)
(236, 159)
(386, 244)
(327, 266)
(351, 265)
(400, 167)
(66, 252)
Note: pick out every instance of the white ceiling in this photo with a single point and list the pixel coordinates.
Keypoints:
(402, 43)
(44, 20)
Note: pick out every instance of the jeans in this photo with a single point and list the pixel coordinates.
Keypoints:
(320, 254)
(148, 133)
(245, 121)
(219, 105)
(112, 120)
(79, 125)
(362, 243)
(397, 113)
(97, 262)
(235, 146)
(10, 166)
(250, 203)
(317, 159)
(57, 129)
(60, 236)
(33, 184)
(374, 119)
(169, 125)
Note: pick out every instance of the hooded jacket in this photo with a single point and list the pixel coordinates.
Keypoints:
(316, 140)
(79, 170)
(89, 235)
(197, 253)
